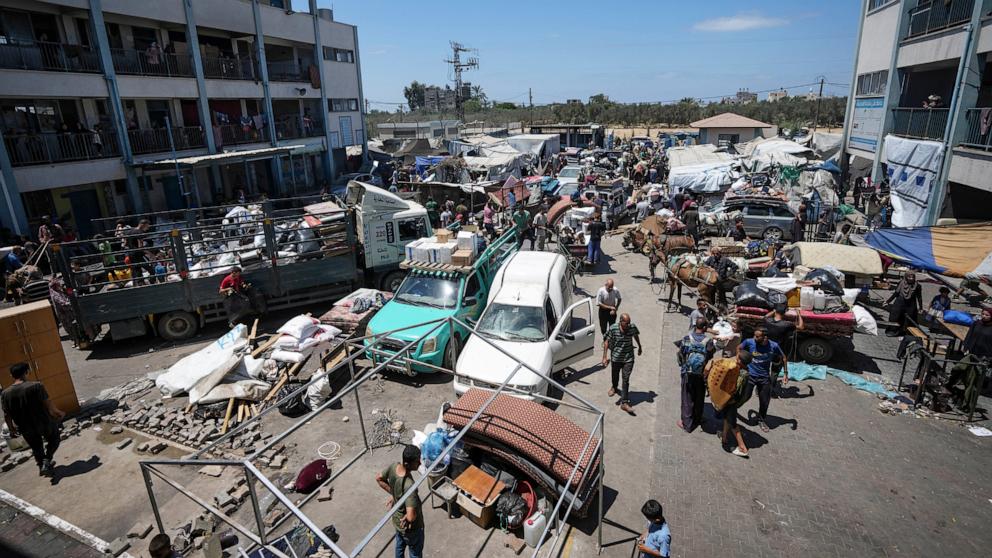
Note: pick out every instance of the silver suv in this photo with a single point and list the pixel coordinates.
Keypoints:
(767, 218)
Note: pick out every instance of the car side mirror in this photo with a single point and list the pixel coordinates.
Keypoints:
(566, 336)
(469, 301)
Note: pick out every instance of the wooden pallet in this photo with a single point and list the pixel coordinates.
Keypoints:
(422, 266)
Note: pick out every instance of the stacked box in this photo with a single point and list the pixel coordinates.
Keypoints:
(411, 248)
(422, 252)
(444, 250)
(466, 241)
(462, 258)
(443, 235)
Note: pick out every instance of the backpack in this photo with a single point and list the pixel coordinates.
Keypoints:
(695, 356)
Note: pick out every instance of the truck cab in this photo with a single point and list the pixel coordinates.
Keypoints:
(531, 318)
(429, 294)
(384, 224)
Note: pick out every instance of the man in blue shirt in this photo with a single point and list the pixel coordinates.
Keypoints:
(657, 540)
(763, 353)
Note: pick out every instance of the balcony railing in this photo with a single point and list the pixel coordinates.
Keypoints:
(157, 140)
(920, 123)
(55, 57)
(141, 63)
(49, 147)
(979, 130)
(234, 134)
(225, 67)
(295, 128)
(936, 15)
(286, 70)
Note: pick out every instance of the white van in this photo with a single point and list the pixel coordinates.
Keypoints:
(530, 315)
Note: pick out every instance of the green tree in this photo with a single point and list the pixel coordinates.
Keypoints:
(414, 94)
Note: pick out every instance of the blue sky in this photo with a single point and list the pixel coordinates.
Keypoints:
(633, 51)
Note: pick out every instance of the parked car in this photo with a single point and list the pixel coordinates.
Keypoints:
(570, 175)
(768, 218)
(530, 316)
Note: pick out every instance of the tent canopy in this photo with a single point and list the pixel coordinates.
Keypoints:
(955, 251)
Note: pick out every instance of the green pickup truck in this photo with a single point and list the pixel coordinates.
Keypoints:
(428, 295)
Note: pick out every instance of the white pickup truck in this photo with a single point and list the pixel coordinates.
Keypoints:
(530, 315)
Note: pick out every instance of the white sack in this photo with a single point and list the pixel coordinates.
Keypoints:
(864, 321)
(777, 284)
(287, 356)
(253, 390)
(183, 375)
(299, 327)
(318, 391)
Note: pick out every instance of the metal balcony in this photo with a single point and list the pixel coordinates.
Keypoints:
(53, 57)
(40, 148)
(141, 63)
(287, 70)
(226, 67)
(979, 134)
(936, 15)
(157, 140)
(296, 127)
(234, 134)
(920, 123)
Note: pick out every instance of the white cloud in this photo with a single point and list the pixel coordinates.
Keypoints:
(739, 22)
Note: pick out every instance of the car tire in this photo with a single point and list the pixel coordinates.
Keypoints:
(773, 233)
(177, 325)
(392, 281)
(451, 352)
(816, 350)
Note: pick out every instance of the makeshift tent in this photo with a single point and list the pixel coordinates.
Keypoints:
(761, 153)
(827, 145)
(411, 149)
(912, 168)
(540, 146)
(422, 163)
(955, 251)
(705, 177)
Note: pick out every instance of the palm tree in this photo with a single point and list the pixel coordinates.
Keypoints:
(479, 95)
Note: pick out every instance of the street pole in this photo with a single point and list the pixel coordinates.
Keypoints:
(819, 97)
(530, 98)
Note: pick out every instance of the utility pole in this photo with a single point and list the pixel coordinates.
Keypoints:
(459, 66)
(530, 99)
(819, 97)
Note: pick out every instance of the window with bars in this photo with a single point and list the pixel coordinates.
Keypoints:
(342, 105)
(339, 55)
(873, 83)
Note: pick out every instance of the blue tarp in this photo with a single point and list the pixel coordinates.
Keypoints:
(955, 251)
(828, 165)
(422, 163)
(800, 371)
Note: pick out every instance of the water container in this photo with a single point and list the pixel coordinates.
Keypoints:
(533, 527)
(806, 298)
(819, 300)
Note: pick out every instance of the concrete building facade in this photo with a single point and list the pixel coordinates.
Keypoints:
(96, 94)
(923, 71)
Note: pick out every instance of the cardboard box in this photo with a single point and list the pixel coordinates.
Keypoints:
(477, 513)
(443, 235)
(462, 258)
(411, 248)
(444, 252)
(422, 252)
(466, 241)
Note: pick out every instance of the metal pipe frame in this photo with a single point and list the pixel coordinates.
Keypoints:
(356, 348)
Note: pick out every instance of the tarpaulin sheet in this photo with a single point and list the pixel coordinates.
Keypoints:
(912, 168)
(800, 371)
(955, 251)
(706, 177)
(424, 162)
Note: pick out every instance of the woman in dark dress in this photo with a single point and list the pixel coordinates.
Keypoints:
(905, 302)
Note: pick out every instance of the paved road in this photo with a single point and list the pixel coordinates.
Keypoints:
(22, 536)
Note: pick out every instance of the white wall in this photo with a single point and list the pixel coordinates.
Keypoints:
(234, 15)
(878, 38)
(295, 27)
(44, 177)
(27, 83)
(158, 10)
(291, 90)
(233, 89)
(147, 87)
(342, 80)
(985, 37)
(971, 168)
(937, 47)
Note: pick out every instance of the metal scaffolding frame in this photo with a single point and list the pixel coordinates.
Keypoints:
(354, 349)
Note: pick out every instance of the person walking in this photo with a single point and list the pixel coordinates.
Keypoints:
(487, 221)
(595, 228)
(905, 302)
(703, 311)
(765, 353)
(521, 221)
(540, 229)
(725, 269)
(731, 369)
(978, 349)
(657, 538)
(432, 214)
(29, 412)
(619, 341)
(695, 350)
(396, 480)
(608, 300)
(691, 219)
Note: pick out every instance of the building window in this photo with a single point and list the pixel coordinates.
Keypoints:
(876, 4)
(438, 132)
(342, 105)
(404, 133)
(873, 83)
(339, 55)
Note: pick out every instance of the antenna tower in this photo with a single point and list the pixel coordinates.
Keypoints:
(458, 65)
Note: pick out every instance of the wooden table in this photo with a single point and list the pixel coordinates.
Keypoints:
(482, 488)
(957, 330)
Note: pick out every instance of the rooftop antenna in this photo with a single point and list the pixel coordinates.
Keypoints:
(458, 65)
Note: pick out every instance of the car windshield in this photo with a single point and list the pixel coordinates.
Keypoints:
(569, 173)
(513, 323)
(420, 290)
(568, 190)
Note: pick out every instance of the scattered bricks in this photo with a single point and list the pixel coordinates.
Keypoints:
(118, 546)
(514, 543)
(222, 499)
(117, 430)
(212, 470)
(204, 434)
(143, 446)
(277, 462)
(8, 466)
(124, 443)
(157, 447)
(230, 508)
(153, 423)
(273, 516)
(140, 531)
(86, 423)
(240, 493)
(4, 457)
(97, 419)
(326, 493)
(21, 458)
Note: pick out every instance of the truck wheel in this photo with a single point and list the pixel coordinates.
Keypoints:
(451, 352)
(816, 350)
(177, 325)
(391, 281)
(773, 234)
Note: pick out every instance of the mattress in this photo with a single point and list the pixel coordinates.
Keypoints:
(544, 437)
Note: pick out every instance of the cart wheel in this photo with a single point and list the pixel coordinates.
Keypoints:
(177, 325)
(816, 350)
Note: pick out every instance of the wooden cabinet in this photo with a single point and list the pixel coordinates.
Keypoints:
(28, 334)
